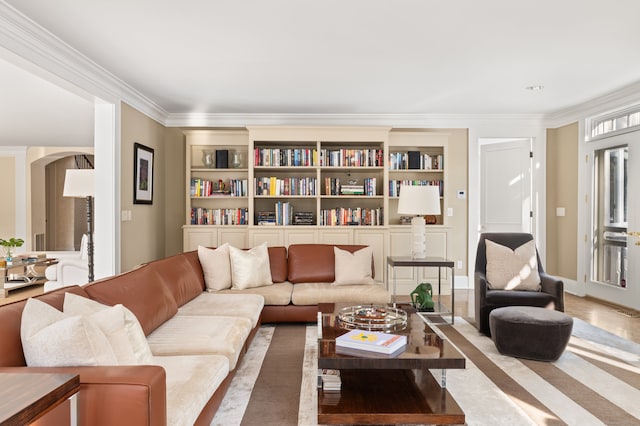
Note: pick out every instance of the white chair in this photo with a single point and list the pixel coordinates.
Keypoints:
(72, 268)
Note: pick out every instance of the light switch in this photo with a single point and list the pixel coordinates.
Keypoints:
(559, 211)
(449, 211)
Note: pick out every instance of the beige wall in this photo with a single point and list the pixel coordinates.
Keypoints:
(562, 191)
(8, 204)
(457, 168)
(151, 233)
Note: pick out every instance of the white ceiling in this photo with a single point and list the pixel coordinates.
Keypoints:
(345, 57)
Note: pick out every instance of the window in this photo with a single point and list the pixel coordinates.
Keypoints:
(614, 123)
(610, 216)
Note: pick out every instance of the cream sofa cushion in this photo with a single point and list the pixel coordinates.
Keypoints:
(191, 381)
(512, 269)
(278, 294)
(250, 268)
(314, 293)
(51, 338)
(216, 267)
(201, 335)
(137, 341)
(228, 305)
(353, 268)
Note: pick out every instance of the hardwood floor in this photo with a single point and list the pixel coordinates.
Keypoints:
(593, 311)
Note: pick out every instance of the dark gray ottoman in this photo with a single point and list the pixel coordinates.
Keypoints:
(529, 332)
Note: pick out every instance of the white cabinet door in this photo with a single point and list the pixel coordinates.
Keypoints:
(375, 239)
(235, 237)
(300, 236)
(194, 237)
(330, 235)
(271, 235)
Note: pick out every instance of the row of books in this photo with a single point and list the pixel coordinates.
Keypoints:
(394, 185)
(204, 216)
(281, 216)
(345, 157)
(347, 216)
(208, 188)
(285, 157)
(285, 186)
(334, 186)
(415, 160)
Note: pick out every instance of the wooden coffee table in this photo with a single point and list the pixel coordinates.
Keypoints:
(381, 390)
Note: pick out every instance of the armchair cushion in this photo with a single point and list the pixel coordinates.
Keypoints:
(509, 269)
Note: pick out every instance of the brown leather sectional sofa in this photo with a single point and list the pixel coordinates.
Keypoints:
(172, 289)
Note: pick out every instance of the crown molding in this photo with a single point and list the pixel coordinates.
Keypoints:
(618, 99)
(57, 61)
(391, 120)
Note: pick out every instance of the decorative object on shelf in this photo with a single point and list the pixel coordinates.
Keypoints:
(9, 244)
(207, 159)
(79, 183)
(236, 162)
(142, 174)
(419, 200)
(222, 158)
(422, 297)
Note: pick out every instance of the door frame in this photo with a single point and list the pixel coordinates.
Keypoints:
(533, 130)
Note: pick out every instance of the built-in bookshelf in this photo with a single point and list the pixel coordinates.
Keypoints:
(415, 158)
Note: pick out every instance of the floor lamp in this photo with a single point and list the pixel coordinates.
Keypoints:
(419, 200)
(79, 183)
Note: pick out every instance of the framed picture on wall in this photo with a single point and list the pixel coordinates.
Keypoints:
(142, 174)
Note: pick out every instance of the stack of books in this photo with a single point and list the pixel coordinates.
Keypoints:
(329, 379)
(372, 342)
(303, 218)
(352, 190)
(266, 218)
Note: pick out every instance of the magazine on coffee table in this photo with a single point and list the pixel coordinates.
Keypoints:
(373, 341)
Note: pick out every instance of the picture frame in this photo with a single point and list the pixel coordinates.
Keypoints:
(142, 174)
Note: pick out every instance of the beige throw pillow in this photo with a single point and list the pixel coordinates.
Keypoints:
(250, 268)
(51, 338)
(512, 269)
(216, 267)
(353, 268)
(133, 348)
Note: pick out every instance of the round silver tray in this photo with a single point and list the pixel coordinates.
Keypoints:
(372, 318)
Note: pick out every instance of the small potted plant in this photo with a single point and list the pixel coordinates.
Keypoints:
(10, 244)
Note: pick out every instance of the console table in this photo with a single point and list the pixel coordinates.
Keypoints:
(25, 397)
(22, 272)
(394, 262)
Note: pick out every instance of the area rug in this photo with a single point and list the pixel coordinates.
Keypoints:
(595, 382)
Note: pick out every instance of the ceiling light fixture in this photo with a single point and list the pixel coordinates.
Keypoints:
(535, 88)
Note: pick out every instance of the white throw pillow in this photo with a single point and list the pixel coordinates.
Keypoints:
(51, 338)
(216, 267)
(512, 269)
(134, 349)
(353, 268)
(250, 268)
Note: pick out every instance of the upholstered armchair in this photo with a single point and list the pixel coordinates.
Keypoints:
(548, 294)
(72, 268)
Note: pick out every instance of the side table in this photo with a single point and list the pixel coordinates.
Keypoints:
(25, 397)
(394, 262)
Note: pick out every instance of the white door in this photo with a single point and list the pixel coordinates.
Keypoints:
(505, 185)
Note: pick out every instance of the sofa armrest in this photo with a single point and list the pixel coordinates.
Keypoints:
(111, 395)
(554, 286)
(70, 271)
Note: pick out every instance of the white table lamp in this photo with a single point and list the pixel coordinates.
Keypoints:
(79, 183)
(419, 200)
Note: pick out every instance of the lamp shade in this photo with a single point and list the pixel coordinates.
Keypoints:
(78, 183)
(419, 200)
